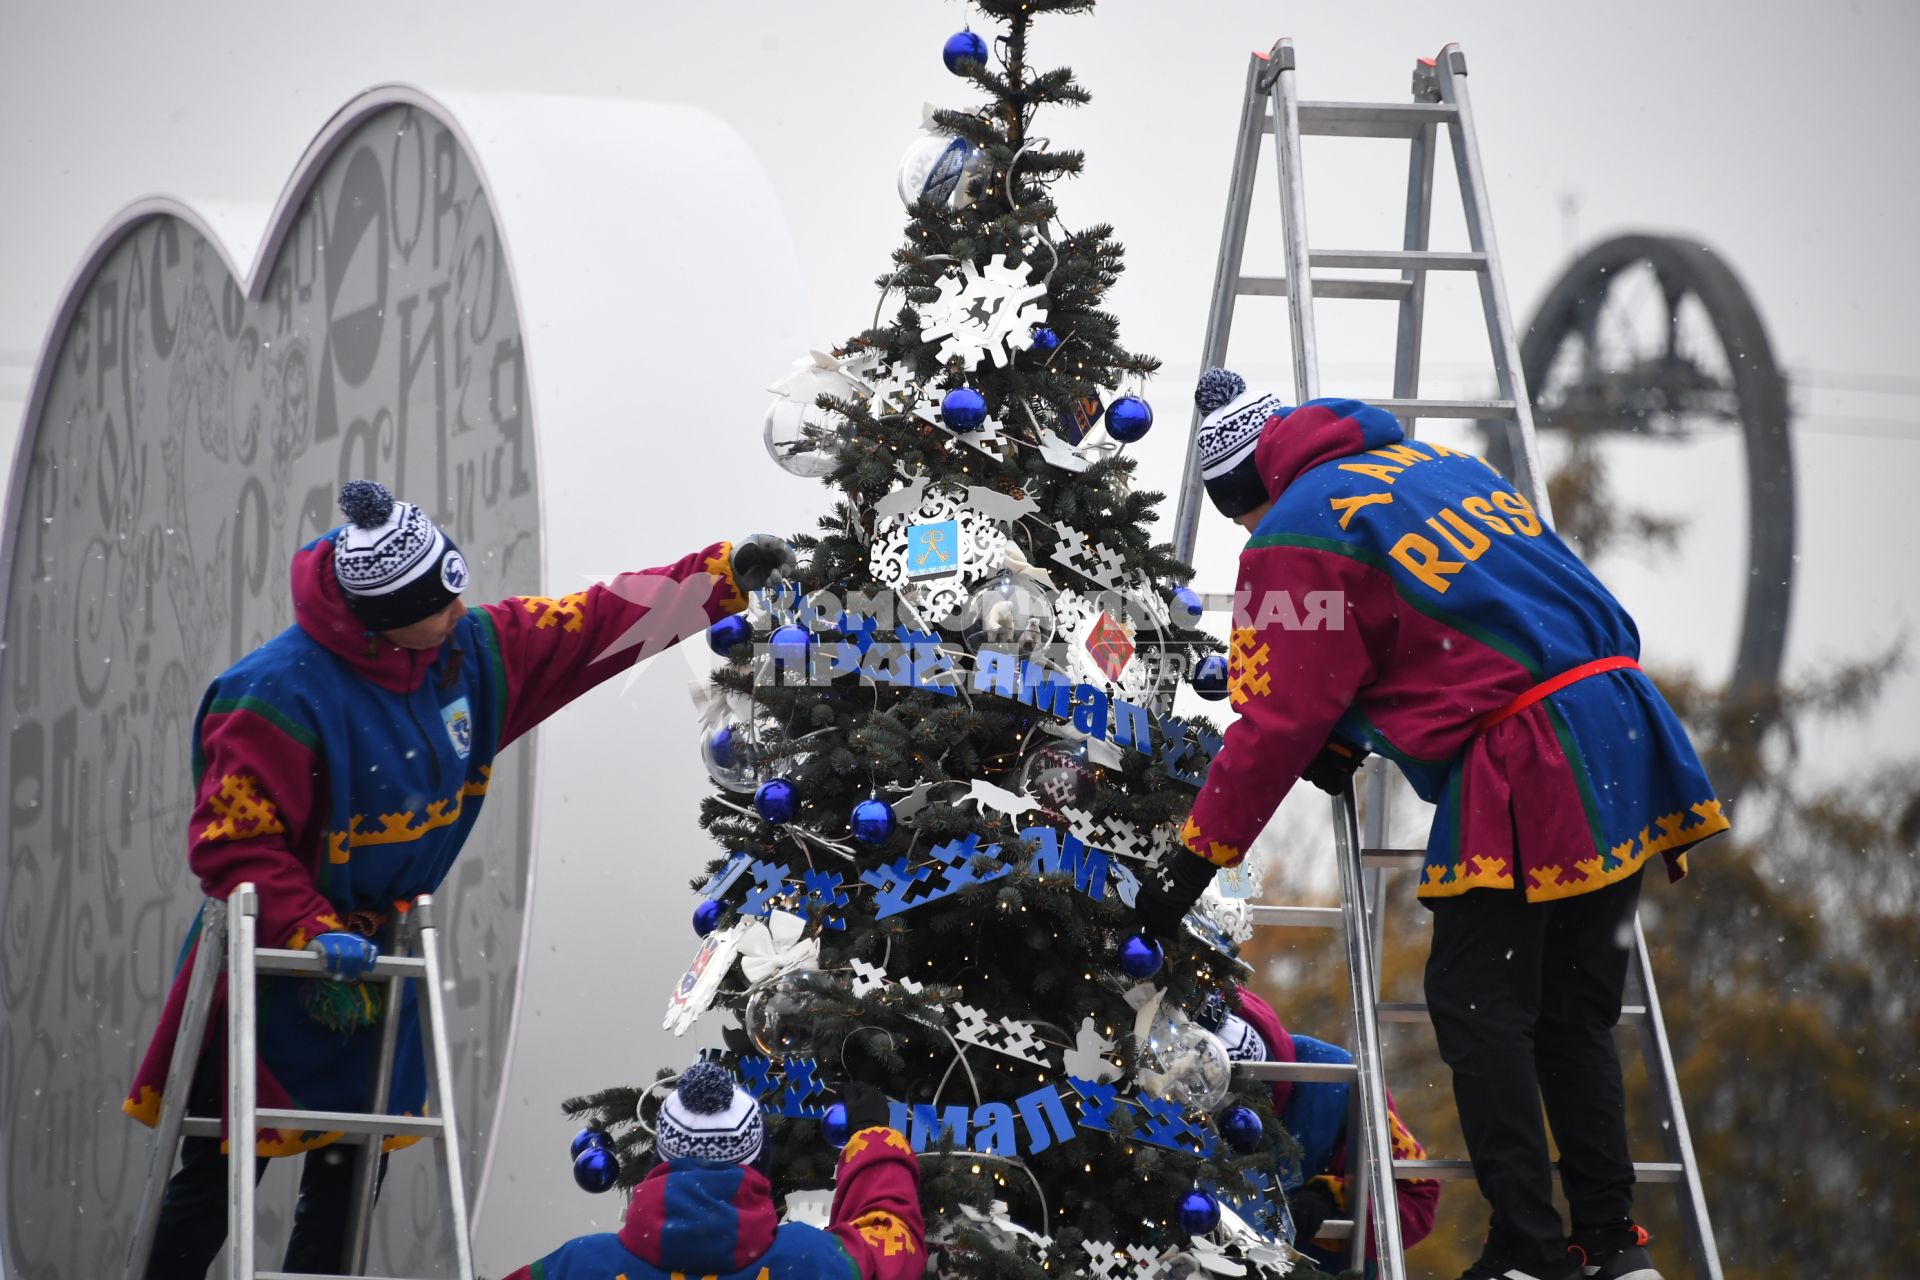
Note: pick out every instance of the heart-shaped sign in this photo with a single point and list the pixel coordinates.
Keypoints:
(186, 432)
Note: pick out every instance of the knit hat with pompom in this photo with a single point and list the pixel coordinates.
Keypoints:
(393, 564)
(709, 1118)
(1228, 436)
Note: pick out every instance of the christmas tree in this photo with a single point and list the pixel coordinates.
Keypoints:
(945, 759)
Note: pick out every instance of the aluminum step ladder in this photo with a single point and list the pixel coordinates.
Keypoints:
(227, 941)
(1272, 106)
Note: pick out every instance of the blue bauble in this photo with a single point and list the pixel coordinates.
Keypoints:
(789, 646)
(1187, 607)
(591, 1138)
(873, 821)
(596, 1169)
(834, 1127)
(1044, 340)
(1141, 956)
(963, 44)
(1242, 1129)
(963, 409)
(706, 918)
(1199, 1212)
(1128, 419)
(777, 800)
(728, 632)
(1210, 677)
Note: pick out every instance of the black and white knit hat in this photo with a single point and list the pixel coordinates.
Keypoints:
(709, 1118)
(1244, 1044)
(1228, 435)
(394, 565)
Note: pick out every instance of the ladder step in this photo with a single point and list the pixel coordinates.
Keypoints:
(1462, 1170)
(1369, 119)
(1338, 287)
(1447, 408)
(275, 960)
(1298, 917)
(1317, 1072)
(356, 1126)
(1416, 1011)
(1334, 1229)
(1393, 859)
(1396, 260)
(302, 1275)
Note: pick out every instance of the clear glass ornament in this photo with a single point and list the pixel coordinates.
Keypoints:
(802, 437)
(1191, 1061)
(781, 1012)
(1057, 776)
(1010, 614)
(734, 755)
(941, 166)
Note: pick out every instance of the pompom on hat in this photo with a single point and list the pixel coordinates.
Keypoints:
(394, 565)
(709, 1118)
(1228, 436)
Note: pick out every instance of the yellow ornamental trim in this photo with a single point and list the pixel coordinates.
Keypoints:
(145, 1108)
(243, 812)
(1486, 872)
(885, 1232)
(721, 567)
(1247, 674)
(569, 613)
(1220, 855)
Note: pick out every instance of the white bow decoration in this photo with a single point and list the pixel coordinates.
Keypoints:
(777, 945)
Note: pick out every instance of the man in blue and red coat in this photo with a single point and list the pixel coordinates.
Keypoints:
(339, 768)
(1401, 597)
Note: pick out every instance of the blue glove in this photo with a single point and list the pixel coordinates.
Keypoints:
(347, 956)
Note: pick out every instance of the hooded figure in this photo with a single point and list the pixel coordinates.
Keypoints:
(1401, 597)
(706, 1209)
(339, 768)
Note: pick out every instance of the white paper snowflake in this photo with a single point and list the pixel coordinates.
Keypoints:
(933, 555)
(984, 313)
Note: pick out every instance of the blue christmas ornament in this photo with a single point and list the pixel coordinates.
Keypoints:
(596, 1169)
(1210, 677)
(873, 821)
(963, 45)
(1141, 956)
(1242, 1129)
(1044, 340)
(1187, 606)
(1128, 419)
(777, 801)
(728, 632)
(789, 646)
(963, 409)
(591, 1137)
(1199, 1212)
(706, 918)
(834, 1127)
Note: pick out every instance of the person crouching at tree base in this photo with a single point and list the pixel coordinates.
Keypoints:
(1475, 651)
(1316, 1113)
(339, 768)
(706, 1208)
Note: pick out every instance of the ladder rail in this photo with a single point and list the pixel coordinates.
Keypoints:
(440, 1083)
(366, 1172)
(1293, 204)
(1679, 1139)
(242, 1062)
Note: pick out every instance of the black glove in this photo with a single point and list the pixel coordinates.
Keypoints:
(867, 1107)
(762, 559)
(1311, 1205)
(1160, 909)
(1332, 770)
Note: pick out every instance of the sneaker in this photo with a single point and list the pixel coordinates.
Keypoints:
(1630, 1263)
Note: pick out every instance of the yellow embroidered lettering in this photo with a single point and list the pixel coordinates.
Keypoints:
(1477, 542)
(1404, 454)
(1381, 471)
(1482, 510)
(1347, 506)
(1421, 557)
(1520, 509)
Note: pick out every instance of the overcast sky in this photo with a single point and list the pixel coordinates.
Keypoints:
(1786, 135)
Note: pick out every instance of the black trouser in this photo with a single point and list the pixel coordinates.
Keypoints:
(193, 1215)
(1524, 998)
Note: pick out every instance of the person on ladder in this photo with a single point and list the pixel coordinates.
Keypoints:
(1401, 597)
(339, 767)
(1315, 1113)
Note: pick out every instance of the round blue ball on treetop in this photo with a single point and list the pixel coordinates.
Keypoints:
(596, 1169)
(591, 1137)
(963, 45)
(963, 409)
(1217, 387)
(873, 821)
(777, 801)
(1187, 606)
(1199, 1212)
(834, 1127)
(1210, 677)
(706, 916)
(1141, 956)
(1129, 418)
(1044, 340)
(1242, 1129)
(728, 632)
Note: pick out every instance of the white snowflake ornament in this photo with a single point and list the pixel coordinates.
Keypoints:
(984, 313)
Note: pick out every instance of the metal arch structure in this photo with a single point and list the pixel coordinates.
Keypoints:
(1668, 393)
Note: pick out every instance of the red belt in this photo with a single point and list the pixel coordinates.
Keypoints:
(1573, 675)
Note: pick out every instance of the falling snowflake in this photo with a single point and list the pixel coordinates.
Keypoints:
(984, 313)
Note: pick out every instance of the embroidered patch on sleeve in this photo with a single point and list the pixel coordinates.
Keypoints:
(884, 1232)
(242, 812)
(1247, 674)
(569, 613)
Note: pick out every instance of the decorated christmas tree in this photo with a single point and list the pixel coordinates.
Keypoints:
(946, 757)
